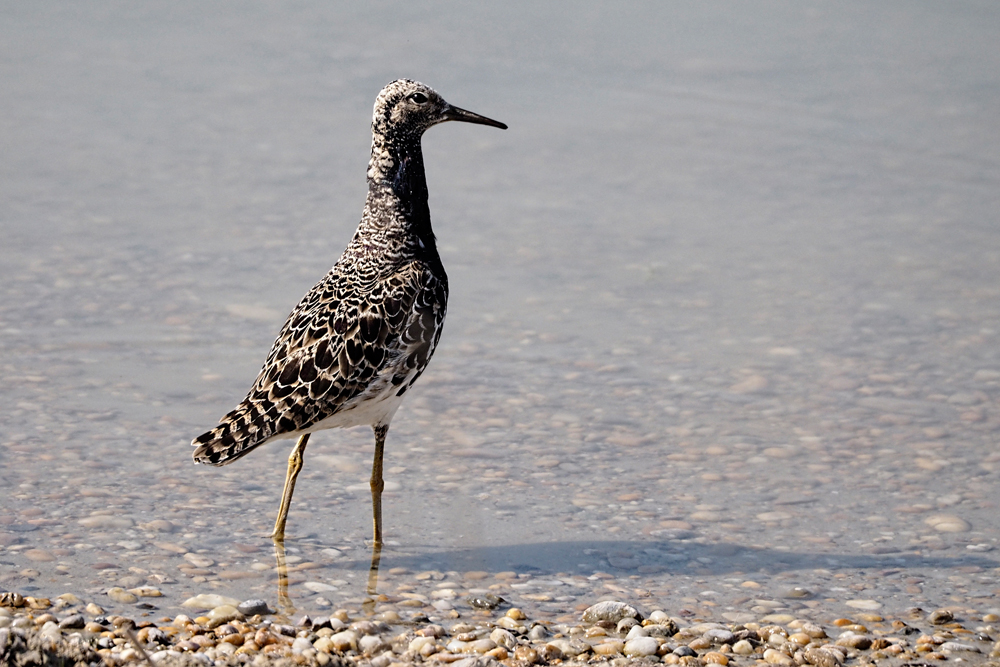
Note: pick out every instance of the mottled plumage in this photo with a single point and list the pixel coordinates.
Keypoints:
(362, 335)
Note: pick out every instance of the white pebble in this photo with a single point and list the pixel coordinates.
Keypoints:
(641, 646)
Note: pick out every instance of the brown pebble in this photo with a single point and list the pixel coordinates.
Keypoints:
(526, 654)
(871, 618)
(249, 646)
(516, 614)
(432, 630)
(716, 658)
(860, 642)
(776, 657)
(609, 647)
(499, 653)
(264, 638)
(841, 622)
(822, 658)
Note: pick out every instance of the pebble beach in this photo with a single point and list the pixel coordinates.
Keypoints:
(38, 631)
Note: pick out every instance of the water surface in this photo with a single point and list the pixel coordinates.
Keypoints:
(725, 302)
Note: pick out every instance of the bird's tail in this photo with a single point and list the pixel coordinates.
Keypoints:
(237, 434)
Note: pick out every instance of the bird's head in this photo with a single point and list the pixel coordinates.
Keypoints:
(405, 109)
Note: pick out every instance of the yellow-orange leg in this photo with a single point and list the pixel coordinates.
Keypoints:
(294, 466)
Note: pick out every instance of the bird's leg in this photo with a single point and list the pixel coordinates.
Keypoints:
(376, 483)
(294, 466)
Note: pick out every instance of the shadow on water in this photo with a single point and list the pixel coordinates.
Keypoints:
(665, 556)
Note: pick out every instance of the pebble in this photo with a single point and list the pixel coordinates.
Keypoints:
(371, 644)
(941, 616)
(106, 521)
(505, 638)
(823, 658)
(743, 647)
(121, 595)
(318, 587)
(609, 647)
(948, 523)
(484, 601)
(778, 619)
(956, 647)
(223, 614)
(527, 654)
(508, 623)
(146, 592)
(869, 605)
(719, 636)
(625, 625)
(659, 616)
(253, 608)
(344, 641)
(516, 614)
(776, 657)
(610, 611)
(851, 640)
(74, 622)
(714, 657)
(209, 601)
(641, 646)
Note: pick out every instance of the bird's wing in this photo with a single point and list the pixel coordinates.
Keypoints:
(343, 337)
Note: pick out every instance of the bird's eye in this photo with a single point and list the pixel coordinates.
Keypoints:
(419, 98)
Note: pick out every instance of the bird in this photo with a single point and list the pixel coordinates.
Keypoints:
(360, 338)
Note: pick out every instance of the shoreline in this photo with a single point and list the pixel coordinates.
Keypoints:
(36, 631)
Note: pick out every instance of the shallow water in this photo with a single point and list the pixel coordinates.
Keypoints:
(724, 314)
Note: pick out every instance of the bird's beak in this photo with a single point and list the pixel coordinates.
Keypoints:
(454, 113)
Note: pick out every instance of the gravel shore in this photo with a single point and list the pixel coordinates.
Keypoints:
(35, 631)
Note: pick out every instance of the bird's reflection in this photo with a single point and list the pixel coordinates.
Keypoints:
(369, 604)
(285, 601)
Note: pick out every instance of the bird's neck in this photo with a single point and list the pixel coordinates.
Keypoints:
(397, 189)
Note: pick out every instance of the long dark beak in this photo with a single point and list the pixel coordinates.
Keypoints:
(454, 113)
